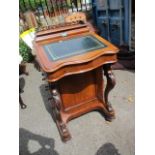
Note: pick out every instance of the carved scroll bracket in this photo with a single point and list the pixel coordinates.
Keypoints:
(56, 112)
(110, 85)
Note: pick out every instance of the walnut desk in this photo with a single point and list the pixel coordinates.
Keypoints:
(74, 64)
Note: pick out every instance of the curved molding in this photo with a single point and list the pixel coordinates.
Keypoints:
(52, 66)
(80, 68)
(79, 60)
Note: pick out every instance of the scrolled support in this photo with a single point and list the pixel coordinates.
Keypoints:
(56, 112)
(56, 105)
(111, 82)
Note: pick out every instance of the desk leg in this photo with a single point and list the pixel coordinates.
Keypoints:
(56, 108)
(110, 85)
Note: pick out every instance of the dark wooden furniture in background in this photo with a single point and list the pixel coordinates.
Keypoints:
(22, 70)
(73, 58)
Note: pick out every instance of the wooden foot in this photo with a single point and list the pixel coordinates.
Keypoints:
(56, 107)
(110, 85)
(64, 132)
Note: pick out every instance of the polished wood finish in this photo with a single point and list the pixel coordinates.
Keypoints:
(51, 66)
(80, 67)
(76, 16)
(76, 83)
(60, 28)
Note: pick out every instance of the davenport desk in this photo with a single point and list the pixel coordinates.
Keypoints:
(73, 59)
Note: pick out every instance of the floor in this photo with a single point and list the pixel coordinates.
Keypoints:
(91, 134)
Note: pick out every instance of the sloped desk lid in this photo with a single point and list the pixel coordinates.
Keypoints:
(54, 54)
(72, 47)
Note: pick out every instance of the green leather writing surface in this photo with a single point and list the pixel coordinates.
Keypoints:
(71, 47)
